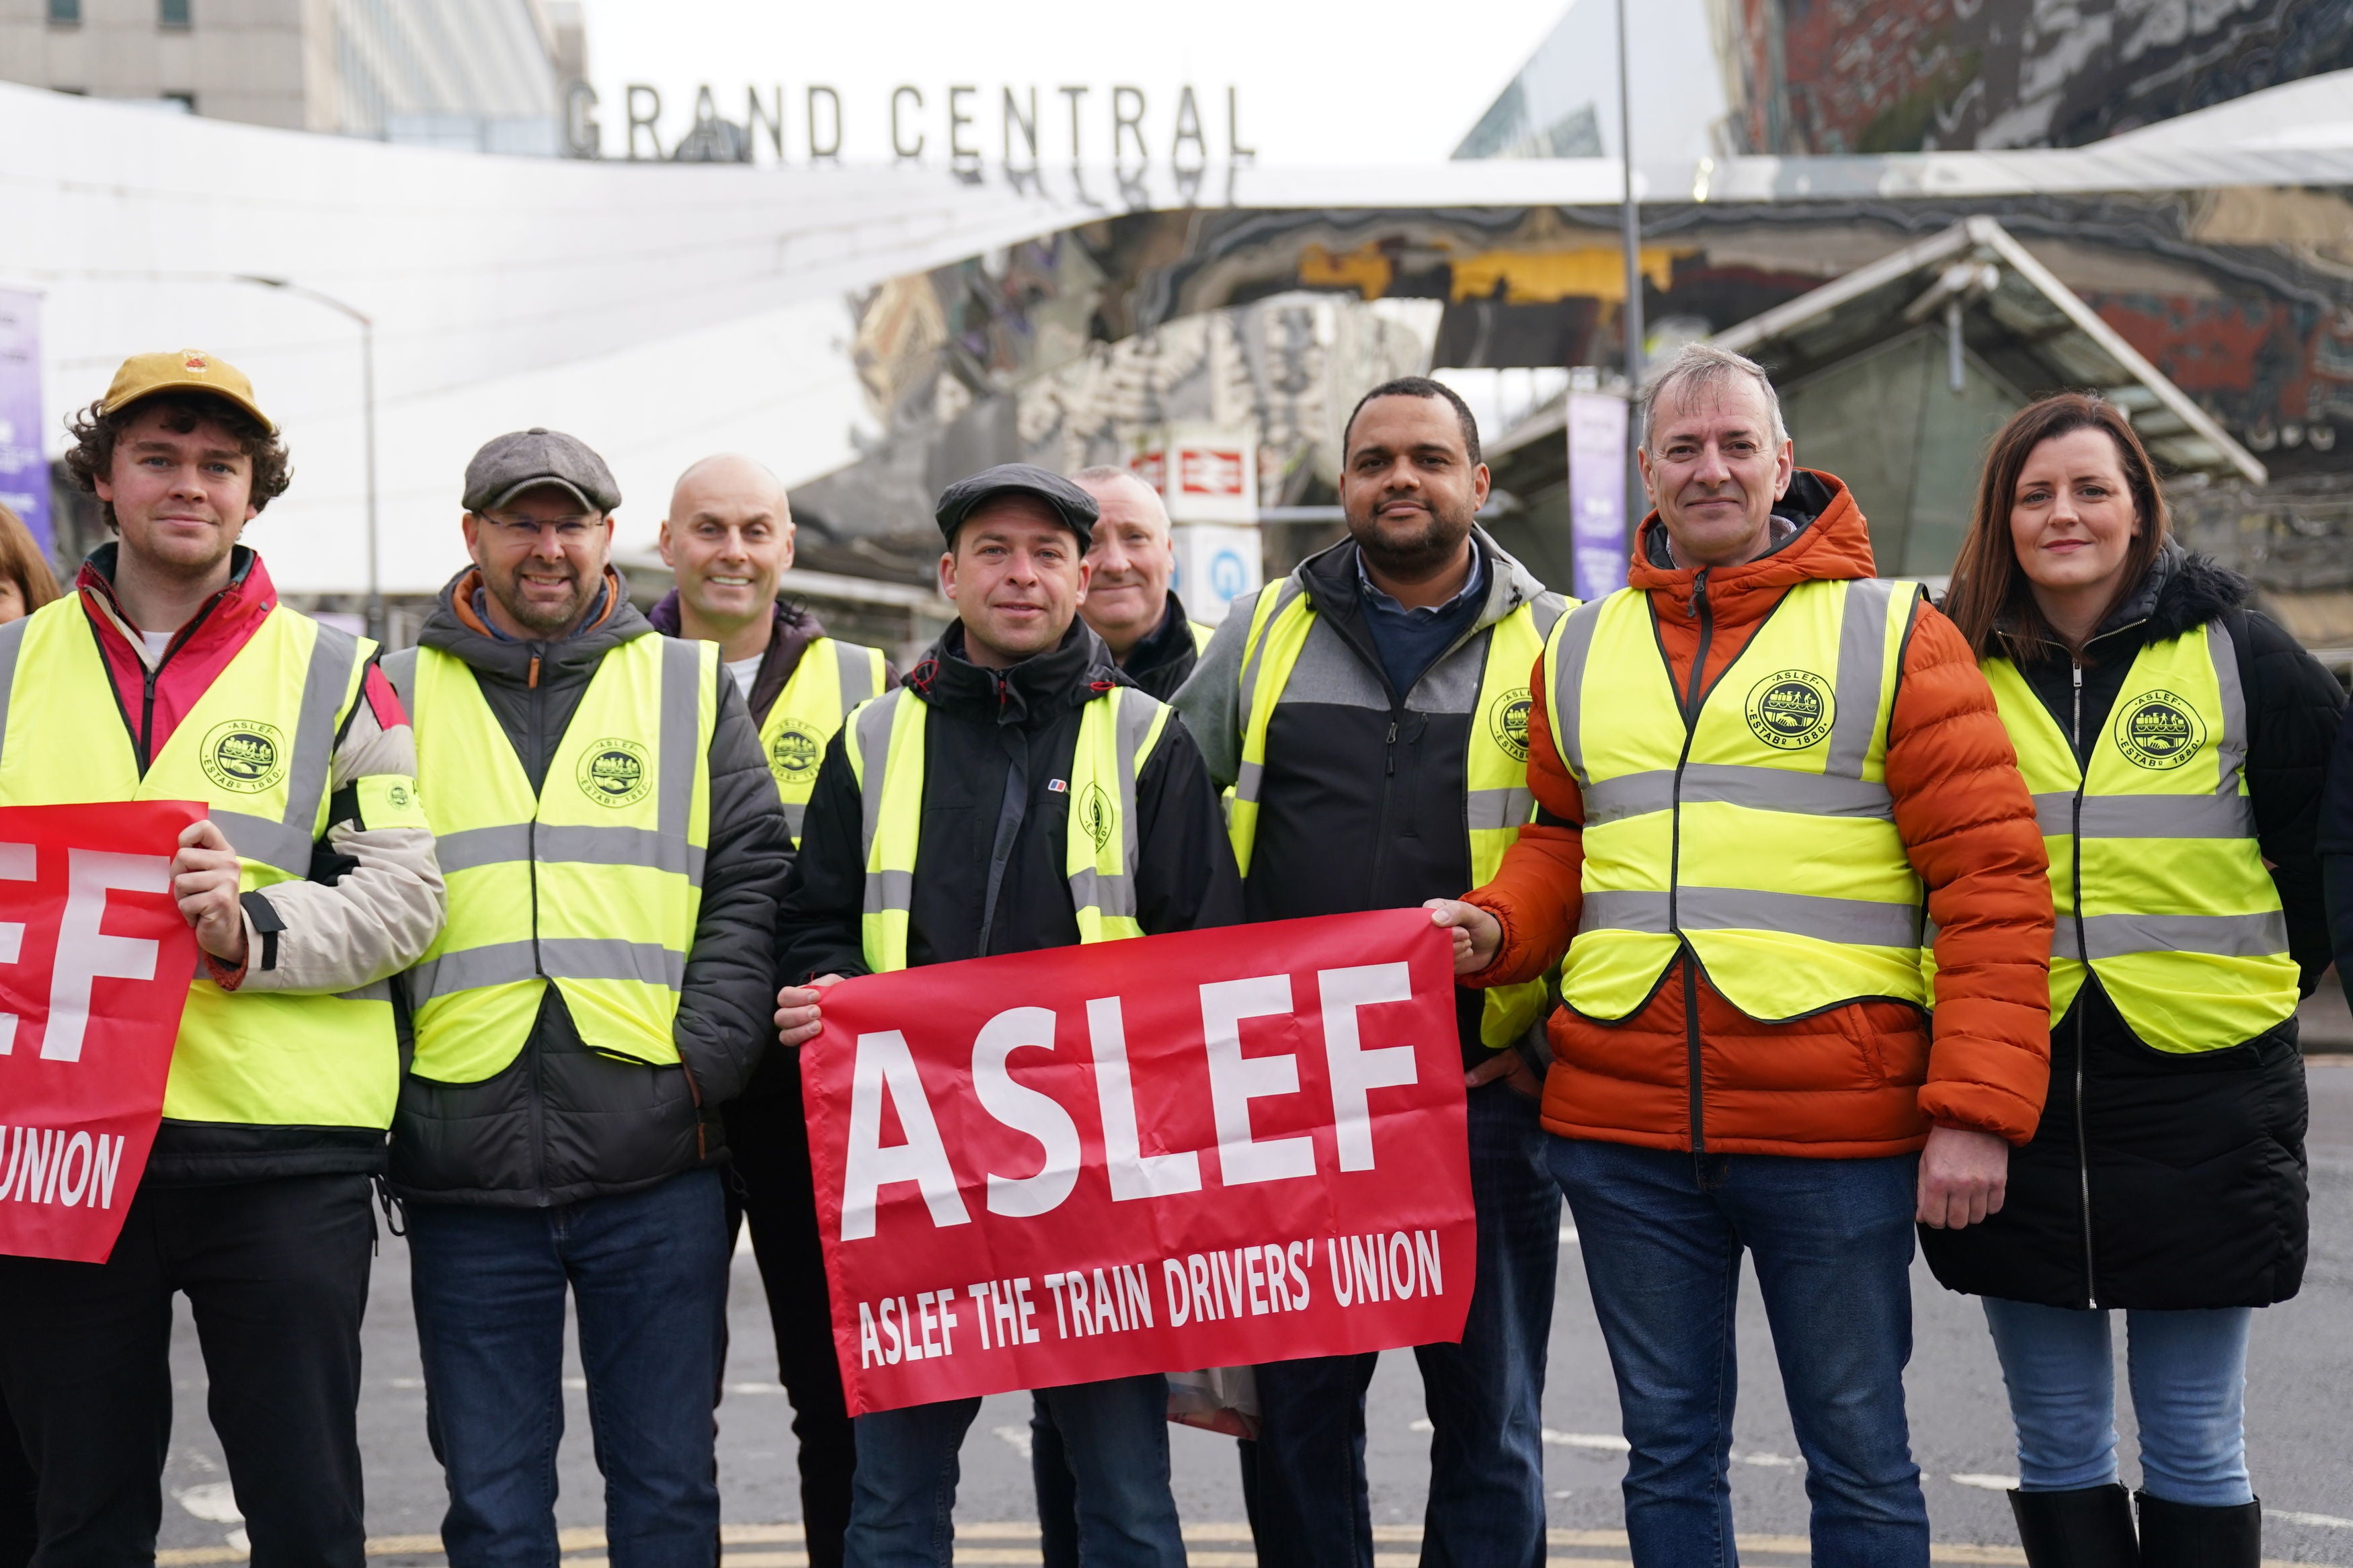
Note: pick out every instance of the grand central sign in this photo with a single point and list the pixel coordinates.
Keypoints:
(961, 124)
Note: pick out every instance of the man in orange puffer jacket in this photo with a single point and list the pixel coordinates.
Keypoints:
(1751, 770)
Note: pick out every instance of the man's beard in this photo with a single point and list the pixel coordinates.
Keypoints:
(1416, 556)
(547, 623)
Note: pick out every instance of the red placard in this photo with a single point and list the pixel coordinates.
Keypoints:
(94, 966)
(1208, 1149)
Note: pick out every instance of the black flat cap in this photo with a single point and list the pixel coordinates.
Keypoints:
(1072, 505)
(509, 465)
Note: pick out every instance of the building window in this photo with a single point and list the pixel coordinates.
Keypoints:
(65, 12)
(172, 13)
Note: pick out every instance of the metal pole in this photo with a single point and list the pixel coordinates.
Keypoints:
(1629, 214)
(1630, 218)
(367, 419)
(375, 618)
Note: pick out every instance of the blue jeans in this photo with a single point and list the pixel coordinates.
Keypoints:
(902, 1488)
(648, 1273)
(1304, 1477)
(2188, 1373)
(1832, 1241)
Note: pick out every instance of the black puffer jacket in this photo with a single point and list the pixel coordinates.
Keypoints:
(2158, 1179)
(1161, 660)
(563, 1123)
(990, 876)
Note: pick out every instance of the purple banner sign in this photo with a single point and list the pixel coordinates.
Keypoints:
(23, 472)
(1596, 491)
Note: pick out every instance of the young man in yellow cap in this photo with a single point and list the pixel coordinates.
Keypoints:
(173, 672)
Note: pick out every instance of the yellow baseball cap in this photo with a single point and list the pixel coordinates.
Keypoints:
(183, 370)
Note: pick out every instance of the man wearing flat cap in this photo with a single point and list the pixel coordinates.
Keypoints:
(173, 672)
(615, 850)
(1013, 735)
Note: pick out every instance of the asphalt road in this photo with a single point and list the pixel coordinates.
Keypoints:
(2301, 1389)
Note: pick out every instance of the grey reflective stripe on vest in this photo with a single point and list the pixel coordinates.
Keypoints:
(884, 889)
(569, 958)
(1764, 789)
(681, 734)
(2147, 815)
(857, 677)
(1089, 888)
(1247, 774)
(1862, 645)
(1490, 808)
(1568, 685)
(12, 639)
(2259, 935)
(1848, 922)
(547, 842)
(2231, 754)
(796, 812)
(284, 845)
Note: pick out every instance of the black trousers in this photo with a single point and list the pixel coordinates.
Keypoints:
(768, 1141)
(276, 1273)
(19, 1531)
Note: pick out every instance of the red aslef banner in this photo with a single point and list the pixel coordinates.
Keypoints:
(94, 966)
(1208, 1149)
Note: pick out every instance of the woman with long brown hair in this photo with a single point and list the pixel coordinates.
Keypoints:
(2174, 741)
(26, 584)
(25, 581)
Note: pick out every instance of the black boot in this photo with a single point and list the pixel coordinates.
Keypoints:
(2088, 1528)
(2183, 1535)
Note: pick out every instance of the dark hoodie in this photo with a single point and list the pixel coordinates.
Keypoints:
(1166, 655)
(796, 628)
(989, 864)
(562, 1123)
(2157, 1180)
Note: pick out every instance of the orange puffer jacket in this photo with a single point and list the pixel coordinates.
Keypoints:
(1864, 1078)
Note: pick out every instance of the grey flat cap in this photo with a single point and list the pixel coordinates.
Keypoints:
(1072, 505)
(509, 465)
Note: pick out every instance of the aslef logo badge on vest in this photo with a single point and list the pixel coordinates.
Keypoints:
(615, 772)
(244, 756)
(1096, 813)
(2159, 730)
(796, 751)
(1507, 722)
(1791, 709)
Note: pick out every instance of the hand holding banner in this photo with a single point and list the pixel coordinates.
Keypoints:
(94, 966)
(1207, 1148)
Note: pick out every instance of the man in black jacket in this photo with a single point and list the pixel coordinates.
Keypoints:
(1129, 603)
(600, 991)
(1005, 692)
(728, 539)
(1384, 769)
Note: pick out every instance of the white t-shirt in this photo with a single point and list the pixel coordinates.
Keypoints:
(157, 642)
(744, 669)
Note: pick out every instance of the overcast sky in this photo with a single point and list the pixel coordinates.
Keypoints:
(1374, 81)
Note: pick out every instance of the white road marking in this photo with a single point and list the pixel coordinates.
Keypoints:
(2324, 1521)
(214, 1502)
(1568, 1233)
(1018, 1436)
(1768, 1461)
(1985, 1483)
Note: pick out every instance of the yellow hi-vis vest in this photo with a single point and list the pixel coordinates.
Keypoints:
(1201, 636)
(1117, 732)
(1496, 802)
(832, 678)
(2159, 886)
(592, 884)
(258, 750)
(1757, 829)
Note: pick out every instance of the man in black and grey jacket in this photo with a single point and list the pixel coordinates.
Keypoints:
(601, 990)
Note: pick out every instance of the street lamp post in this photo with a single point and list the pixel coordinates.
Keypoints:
(1630, 220)
(376, 628)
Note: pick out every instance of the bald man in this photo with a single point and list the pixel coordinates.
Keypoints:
(1129, 603)
(728, 539)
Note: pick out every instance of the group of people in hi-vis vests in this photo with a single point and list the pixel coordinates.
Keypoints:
(1794, 915)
